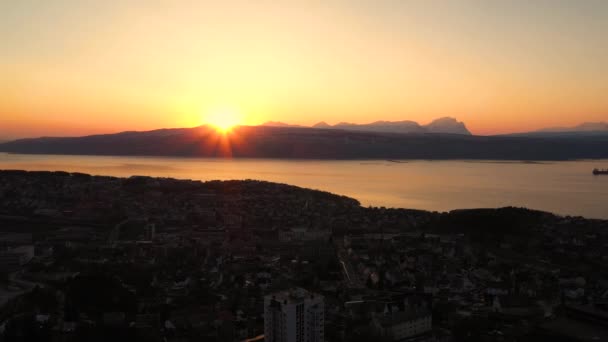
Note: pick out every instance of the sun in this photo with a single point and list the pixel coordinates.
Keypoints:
(223, 120)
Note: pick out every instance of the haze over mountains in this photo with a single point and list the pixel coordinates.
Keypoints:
(584, 129)
(443, 125)
(448, 125)
(319, 143)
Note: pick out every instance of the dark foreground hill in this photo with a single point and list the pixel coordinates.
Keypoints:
(311, 143)
(28, 199)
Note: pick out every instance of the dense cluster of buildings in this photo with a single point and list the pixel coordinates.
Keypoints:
(85, 257)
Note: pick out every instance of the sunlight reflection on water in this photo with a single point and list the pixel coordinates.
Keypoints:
(560, 187)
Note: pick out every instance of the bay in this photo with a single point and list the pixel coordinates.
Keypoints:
(564, 187)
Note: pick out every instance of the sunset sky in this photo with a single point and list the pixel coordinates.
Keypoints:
(81, 67)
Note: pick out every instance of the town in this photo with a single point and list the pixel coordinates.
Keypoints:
(95, 258)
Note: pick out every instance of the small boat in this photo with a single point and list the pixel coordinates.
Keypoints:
(600, 172)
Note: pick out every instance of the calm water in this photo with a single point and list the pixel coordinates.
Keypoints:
(566, 188)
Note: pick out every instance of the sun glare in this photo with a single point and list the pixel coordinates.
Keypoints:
(224, 120)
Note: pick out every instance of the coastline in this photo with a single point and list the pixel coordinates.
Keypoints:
(45, 173)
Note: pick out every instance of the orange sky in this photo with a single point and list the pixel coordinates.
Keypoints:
(82, 67)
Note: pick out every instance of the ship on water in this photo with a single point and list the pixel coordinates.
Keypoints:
(600, 172)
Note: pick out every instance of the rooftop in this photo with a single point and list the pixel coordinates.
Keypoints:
(293, 296)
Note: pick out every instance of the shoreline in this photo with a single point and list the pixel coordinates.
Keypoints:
(391, 160)
(173, 179)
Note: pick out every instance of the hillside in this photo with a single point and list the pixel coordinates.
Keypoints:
(311, 143)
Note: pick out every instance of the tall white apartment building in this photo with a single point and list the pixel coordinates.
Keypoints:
(294, 316)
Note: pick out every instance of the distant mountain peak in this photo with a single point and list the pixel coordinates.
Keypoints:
(584, 127)
(446, 119)
(447, 125)
(321, 124)
(593, 126)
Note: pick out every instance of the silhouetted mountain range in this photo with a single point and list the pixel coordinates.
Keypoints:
(316, 143)
(442, 125)
(584, 129)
